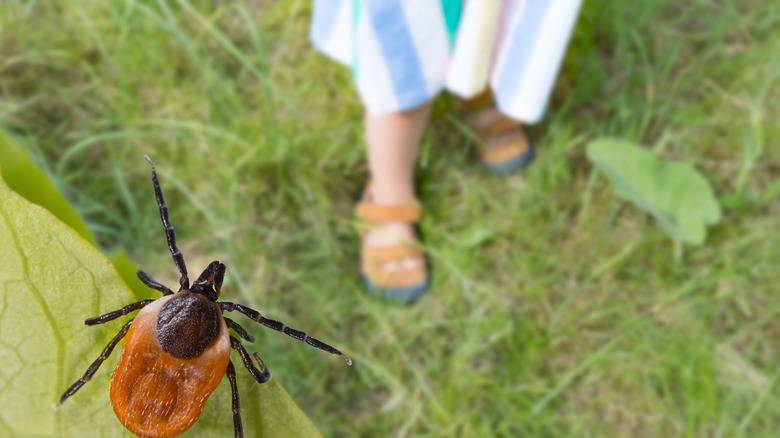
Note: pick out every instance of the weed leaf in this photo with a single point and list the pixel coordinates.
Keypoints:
(51, 280)
(675, 193)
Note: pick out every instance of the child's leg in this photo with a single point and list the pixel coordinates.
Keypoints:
(393, 143)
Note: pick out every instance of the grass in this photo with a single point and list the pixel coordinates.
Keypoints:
(557, 310)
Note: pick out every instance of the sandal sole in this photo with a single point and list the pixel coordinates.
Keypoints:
(511, 165)
(402, 295)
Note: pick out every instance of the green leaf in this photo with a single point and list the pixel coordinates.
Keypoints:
(675, 193)
(25, 178)
(52, 280)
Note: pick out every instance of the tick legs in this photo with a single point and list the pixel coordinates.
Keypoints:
(96, 364)
(238, 329)
(170, 234)
(117, 313)
(262, 375)
(231, 375)
(147, 280)
(279, 326)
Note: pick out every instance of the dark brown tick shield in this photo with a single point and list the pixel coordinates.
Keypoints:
(177, 349)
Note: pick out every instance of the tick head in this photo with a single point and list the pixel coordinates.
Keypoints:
(210, 281)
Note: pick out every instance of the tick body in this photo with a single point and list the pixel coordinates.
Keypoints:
(177, 349)
(165, 394)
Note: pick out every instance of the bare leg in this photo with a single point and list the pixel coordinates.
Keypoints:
(393, 143)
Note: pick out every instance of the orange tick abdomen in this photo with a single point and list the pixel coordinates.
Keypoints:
(155, 394)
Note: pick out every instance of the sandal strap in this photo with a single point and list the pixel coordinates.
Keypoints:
(516, 144)
(474, 106)
(379, 255)
(499, 126)
(388, 213)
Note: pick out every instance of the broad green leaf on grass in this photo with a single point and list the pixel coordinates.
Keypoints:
(675, 193)
(51, 279)
(25, 178)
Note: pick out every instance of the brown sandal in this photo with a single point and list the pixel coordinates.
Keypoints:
(404, 285)
(503, 146)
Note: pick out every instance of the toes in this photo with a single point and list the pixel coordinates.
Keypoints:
(397, 265)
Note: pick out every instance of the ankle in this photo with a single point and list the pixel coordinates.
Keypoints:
(393, 194)
(487, 117)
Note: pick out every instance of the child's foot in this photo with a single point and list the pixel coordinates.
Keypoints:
(391, 233)
(392, 262)
(502, 144)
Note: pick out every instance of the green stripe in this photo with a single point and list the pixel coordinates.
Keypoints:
(355, 19)
(451, 10)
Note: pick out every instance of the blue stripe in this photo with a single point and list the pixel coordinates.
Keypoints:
(400, 55)
(524, 38)
(323, 19)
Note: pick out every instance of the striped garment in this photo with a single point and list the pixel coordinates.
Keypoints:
(404, 52)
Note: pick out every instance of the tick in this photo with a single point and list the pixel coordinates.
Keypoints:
(177, 348)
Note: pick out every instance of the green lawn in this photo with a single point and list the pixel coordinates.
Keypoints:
(557, 309)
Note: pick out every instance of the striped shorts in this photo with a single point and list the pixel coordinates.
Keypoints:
(404, 52)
